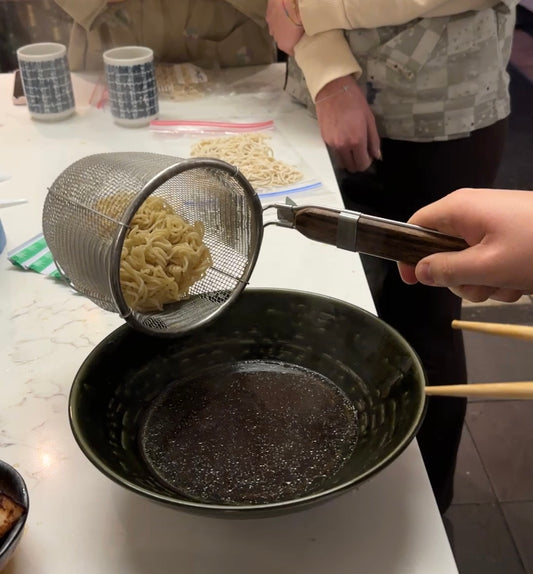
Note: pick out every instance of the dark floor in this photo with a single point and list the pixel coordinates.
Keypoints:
(490, 523)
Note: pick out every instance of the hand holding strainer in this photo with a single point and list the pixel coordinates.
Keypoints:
(86, 239)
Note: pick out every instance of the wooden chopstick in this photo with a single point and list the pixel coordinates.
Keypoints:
(503, 329)
(512, 390)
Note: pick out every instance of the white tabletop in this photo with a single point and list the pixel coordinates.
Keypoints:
(79, 521)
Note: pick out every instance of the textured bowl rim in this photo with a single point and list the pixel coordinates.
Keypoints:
(254, 509)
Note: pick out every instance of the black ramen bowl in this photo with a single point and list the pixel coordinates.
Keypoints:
(12, 484)
(285, 400)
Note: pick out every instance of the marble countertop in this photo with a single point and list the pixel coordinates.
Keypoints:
(79, 521)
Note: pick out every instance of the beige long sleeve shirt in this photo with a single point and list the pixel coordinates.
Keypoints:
(323, 53)
(207, 32)
(322, 15)
(426, 79)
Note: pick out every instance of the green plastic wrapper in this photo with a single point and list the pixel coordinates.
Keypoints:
(34, 255)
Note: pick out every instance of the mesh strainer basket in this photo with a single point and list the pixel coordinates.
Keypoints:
(85, 222)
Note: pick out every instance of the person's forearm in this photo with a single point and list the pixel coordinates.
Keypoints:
(321, 15)
(324, 58)
(83, 12)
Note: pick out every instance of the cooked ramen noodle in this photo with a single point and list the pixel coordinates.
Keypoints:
(252, 155)
(162, 257)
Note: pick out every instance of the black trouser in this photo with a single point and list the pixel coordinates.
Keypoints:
(410, 176)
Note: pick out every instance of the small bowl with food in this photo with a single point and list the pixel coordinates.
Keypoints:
(14, 506)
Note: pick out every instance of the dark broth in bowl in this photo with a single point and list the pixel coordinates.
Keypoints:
(254, 432)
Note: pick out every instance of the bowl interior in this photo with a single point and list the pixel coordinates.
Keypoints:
(374, 367)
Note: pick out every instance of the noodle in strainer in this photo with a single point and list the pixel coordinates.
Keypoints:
(205, 225)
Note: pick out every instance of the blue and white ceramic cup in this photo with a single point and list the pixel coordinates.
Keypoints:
(131, 85)
(46, 80)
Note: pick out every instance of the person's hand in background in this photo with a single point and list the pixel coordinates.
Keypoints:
(284, 23)
(498, 225)
(347, 124)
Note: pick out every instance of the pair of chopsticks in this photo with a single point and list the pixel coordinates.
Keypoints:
(511, 390)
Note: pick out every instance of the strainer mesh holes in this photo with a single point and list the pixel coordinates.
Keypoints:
(85, 211)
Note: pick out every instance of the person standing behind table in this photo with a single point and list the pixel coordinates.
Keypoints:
(423, 85)
(207, 32)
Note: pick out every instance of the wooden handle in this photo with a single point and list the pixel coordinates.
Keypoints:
(375, 236)
(503, 329)
(521, 390)
(401, 241)
(317, 223)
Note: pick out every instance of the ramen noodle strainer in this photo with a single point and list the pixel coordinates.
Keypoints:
(86, 220)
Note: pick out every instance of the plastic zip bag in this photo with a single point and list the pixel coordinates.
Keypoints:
(200, 127)
(183, 81)
(271, 157)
